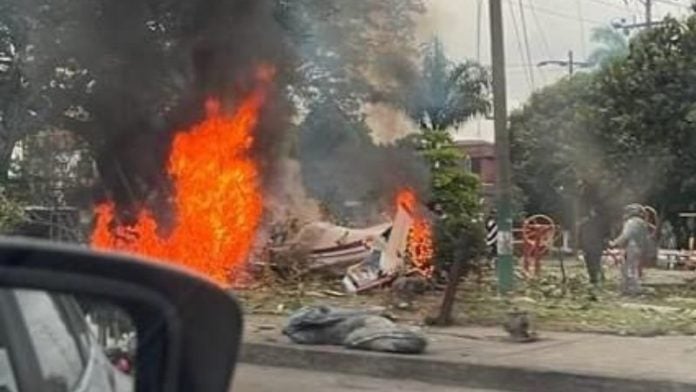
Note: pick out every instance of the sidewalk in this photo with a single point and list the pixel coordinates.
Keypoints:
(483, 358)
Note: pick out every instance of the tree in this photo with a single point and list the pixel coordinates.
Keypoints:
(623, 133)
(125, 78)
(347, 55)
(612, 45)
(553, 147)
(350, 52)
(447, 95)
(345, 169)
(649, 107)
(457, 194)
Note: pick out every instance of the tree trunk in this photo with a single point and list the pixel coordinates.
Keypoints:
(445, 316)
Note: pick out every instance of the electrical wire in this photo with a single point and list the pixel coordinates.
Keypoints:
(519, 44)
(526, 44)
(544, 40)
(608, 4)
(672, 2)
(582, 29)
(561, 15)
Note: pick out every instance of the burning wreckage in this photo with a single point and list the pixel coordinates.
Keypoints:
(219, 204)
(368, 258)
(373, 256)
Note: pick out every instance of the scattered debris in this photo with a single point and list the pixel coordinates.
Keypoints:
(387, 259)
(366, 258)
(520, 327)
(407, 287)
(357, 329)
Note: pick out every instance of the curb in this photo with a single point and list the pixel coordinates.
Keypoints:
(442, 372)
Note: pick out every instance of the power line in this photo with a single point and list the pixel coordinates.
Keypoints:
(607, 4)
(544, 41)
(561, 15)
(519, 45)
(671, 2)
(526, 43)
(582, 29)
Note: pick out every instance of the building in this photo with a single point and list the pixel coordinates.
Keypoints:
(480, 160)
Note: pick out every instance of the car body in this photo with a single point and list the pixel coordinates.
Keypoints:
(47, 346)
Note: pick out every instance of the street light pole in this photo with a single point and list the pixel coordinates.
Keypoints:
(504, 262)
(570, 63)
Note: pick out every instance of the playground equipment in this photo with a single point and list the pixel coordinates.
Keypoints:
(683, 258)
(538, 235)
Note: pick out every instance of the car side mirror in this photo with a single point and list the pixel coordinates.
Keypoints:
(187, 329)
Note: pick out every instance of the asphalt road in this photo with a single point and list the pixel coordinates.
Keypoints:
(251, 378)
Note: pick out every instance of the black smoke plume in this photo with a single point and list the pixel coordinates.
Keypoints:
(126, 75)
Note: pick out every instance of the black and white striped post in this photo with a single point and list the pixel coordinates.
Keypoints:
(492, 235)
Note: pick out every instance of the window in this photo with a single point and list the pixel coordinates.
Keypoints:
(476, 166)
(55, 346)
(7, 376)
(467, 164)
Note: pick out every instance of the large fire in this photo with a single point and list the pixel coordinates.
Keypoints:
(420, 237)
(217, 197)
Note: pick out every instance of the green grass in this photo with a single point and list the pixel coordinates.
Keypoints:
(664, 308)
(579, 307)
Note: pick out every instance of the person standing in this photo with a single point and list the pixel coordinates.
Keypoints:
(634, 239)
(593, 234)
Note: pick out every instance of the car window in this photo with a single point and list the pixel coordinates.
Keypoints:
(55, 346)
(8, 381)
(77, 323)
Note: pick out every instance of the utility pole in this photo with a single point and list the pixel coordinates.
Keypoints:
(627, 27)
(571, 64)
(504, 262)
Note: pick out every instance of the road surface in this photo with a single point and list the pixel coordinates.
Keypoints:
(251, 378)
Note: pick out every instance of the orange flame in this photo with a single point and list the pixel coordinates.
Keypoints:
(420, 248)
(217, 197)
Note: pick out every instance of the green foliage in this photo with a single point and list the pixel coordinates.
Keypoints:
(447, 95)
(612, 46)
(623, 133)
(459, 234)
(11, 214)
(350, 52)
(554, 147)
(649, 101)
(341, 163)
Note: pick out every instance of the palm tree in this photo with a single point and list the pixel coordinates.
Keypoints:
(448, 94)
(612, 45)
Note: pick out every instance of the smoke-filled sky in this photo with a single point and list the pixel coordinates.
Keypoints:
(553, 28)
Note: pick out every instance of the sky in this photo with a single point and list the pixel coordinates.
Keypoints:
(553, 28)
